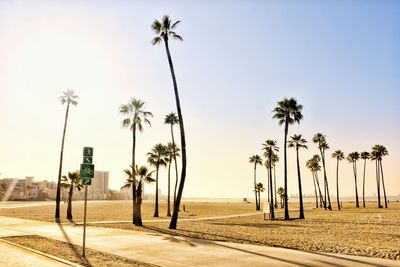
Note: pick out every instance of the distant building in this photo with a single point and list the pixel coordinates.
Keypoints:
(98, 189)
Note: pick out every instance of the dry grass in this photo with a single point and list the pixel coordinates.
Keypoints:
(122, 211)
(73, 253)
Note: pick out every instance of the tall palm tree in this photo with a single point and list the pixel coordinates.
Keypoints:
(352, 158)
(313, 165)
(275, 159)
(171, 153)
(172, 119)
(256, 159)
(379, 152)
(138, 176)
(287, 112)
(135, 118)
(72, 181)
(68, 97)
(164, 29)
(364, 155)
(270, 147)
(258, 189)
(297, 142)
(157, 157)
(338, 155)
(323, 146)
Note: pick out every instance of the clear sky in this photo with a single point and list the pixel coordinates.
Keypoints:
(340, 59)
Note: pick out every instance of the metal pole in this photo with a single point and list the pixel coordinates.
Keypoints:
(84, 223)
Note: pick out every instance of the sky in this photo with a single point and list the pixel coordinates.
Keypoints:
(339, 59)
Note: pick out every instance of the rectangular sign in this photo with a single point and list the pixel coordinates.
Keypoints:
(87, 170)
(88, 151)
(86, 181)
(87, 160)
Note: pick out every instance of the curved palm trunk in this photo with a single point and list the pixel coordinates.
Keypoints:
(276, 201)
(300, 191)
(271, 205)
(156, 202)
(176, 165)
(255, 186)
(321, 199)
(378, 179)
(69, 208)
(315, 190)
(326, 184)
(337, 184)
(58, 194)
(383, 184)
(355, 183)
(365, 163)
(174, 219)
(138, 210)
(169, 176)
(285, 163)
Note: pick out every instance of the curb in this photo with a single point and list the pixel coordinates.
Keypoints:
(42, 253)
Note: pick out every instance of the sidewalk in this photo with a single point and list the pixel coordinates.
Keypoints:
(168, 250)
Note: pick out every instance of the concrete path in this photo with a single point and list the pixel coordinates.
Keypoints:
(168, 250)
(14, 256)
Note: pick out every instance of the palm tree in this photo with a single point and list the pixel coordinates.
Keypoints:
(275, 159)
(256, 159)
(138, 176)
(338, 155)
(381, 151)
(157, 157)
(68, 97)
(374, 156)
(352, 158)
(297, 142)
(172, 119)
(72, 181)
(281, 193)
(313, 165)
(171, 153)
(287, 112)
(323, 146)
(270, 147)
(136, 116)
(258, 189)
(364, 155)
(165, 29)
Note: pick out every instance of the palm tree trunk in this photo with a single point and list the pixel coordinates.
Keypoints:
(285, 163)
(315, 190)
(169, 176)
(138, 210)
(300, 191)
(378, 181)
(268, 186)
(337, 183)
(383, 184)
(134, 207)
(365, 163)
(326, 183)
(174, 219)
(355, 183)
(271, 206)
(321, 199)
(176, 165)
(69, 208)
(276, 202)
(57, 214)
(156, 202)
(255, 186)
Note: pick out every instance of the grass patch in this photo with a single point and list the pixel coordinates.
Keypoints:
(73, 253)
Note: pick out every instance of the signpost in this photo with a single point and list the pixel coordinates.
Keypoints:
(87, 173)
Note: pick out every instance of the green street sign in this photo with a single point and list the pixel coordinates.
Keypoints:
(87, 160)
(88, 151)
(87, 170)
(86, 181)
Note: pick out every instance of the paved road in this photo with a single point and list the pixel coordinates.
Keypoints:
(14, 256)
(168, 250)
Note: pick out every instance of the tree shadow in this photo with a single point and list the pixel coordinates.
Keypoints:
(365, 262)
(256, 225)
(73, 247)
(171, 237)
